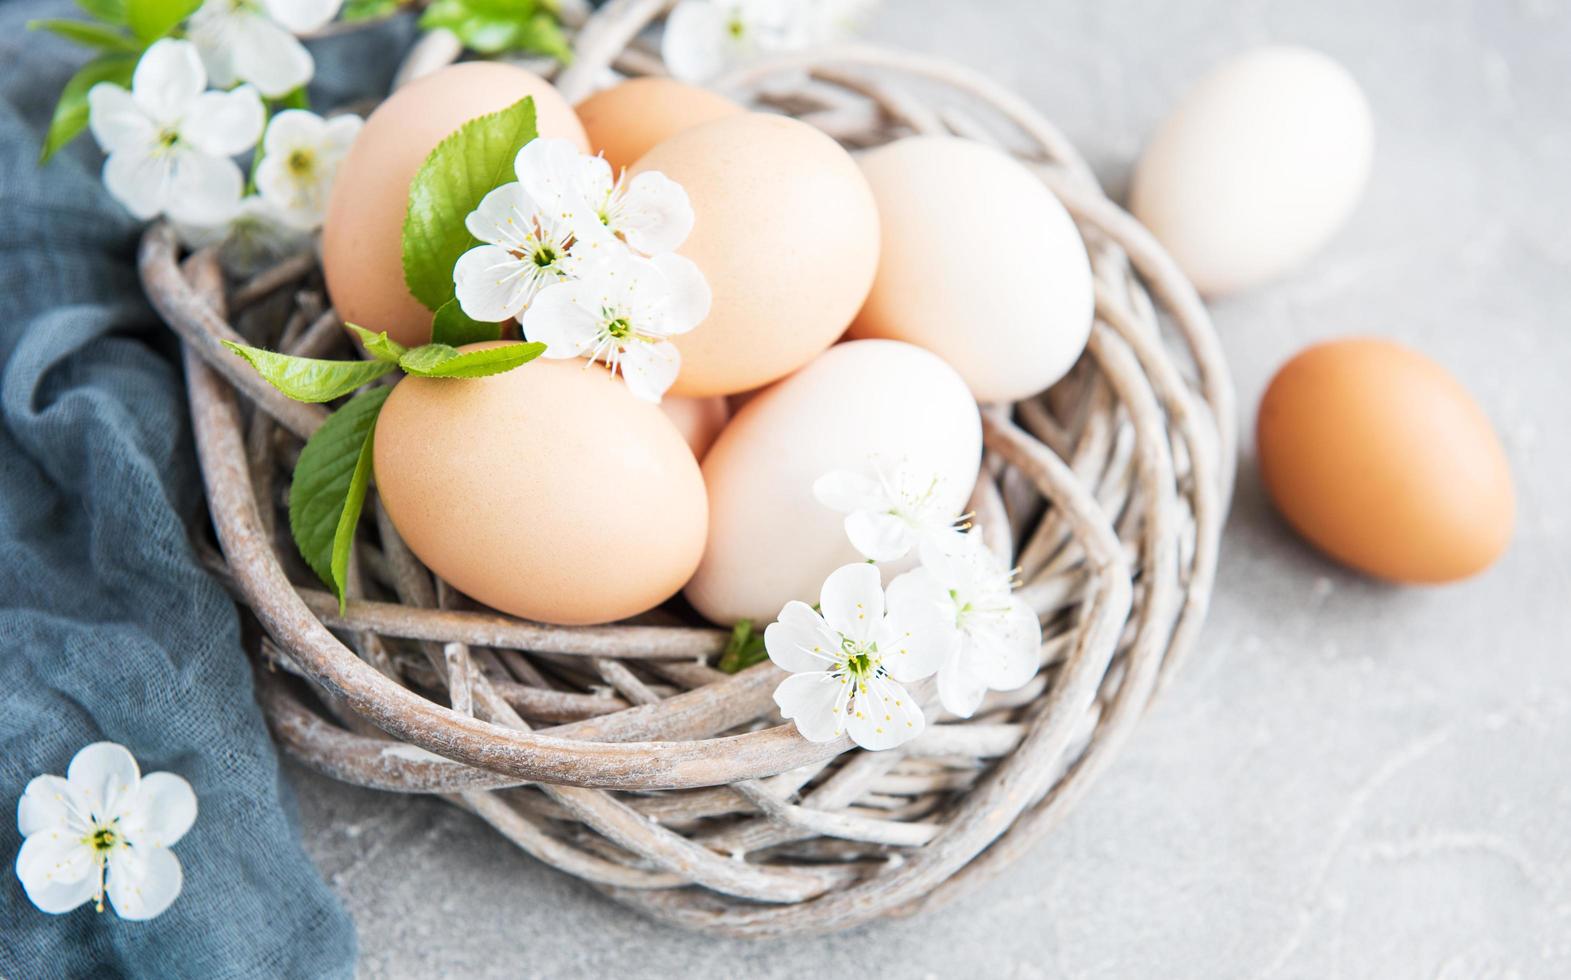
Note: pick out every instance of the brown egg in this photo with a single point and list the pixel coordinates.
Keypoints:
(698, 419)
(1383, 461)
(627, 120)
(548, 492)
(785, 231)
(362, 238)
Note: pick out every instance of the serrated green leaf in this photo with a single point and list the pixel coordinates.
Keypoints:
(542, 34)
(309, 379)
(329, 486)
(442, 361)
(744, 649)
(108, 11)
(88, 33)
(379, 345)
(453, 327)
(153, 19)
(71, 111)
(462, 169)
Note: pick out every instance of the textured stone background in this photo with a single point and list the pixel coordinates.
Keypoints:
(1349, 779)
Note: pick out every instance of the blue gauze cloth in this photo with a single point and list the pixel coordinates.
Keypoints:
(108, 627)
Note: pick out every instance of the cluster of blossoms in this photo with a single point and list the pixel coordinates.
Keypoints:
(703, 38)
(585, 262)
(172, 144)
(954, 616)
(104, 829)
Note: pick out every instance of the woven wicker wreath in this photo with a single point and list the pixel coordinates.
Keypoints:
(620, 754)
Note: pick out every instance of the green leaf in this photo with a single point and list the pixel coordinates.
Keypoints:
(295, 98)
(379, 345)
(329, 485)
(442, 361)
(543, 34)
(308, 379)
(462, 169)
(355, 10)
(90, 34)
(153, 19)
(744, 649)
(453, 327)
(108, 11)
(71, 111)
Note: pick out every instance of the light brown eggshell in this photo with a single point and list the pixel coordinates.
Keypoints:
(629, 119)
(698, 419)
(362, 237)
(786, 233)
(548, 492)
(1381, 459)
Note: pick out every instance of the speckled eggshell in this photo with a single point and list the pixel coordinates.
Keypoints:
(630, 118)
(1382, 460)
(698, 419)
(548, 492)
(770, 540)
(1256, 168)
(362, 238)
(786, 233)
(980, 264)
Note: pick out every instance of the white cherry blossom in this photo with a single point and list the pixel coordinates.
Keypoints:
(301, 152)
(704, 38)
(623, 312)
(993, 640)
(254, 41)
(891, 511)
(849, 663)
(254, 238)
(104, 829)
(526, 249)
(169, 142)
(650, 212)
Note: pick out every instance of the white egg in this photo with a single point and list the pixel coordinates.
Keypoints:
(770, 540)
(1258, 166)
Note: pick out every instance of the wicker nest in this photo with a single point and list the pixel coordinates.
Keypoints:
(619, 754)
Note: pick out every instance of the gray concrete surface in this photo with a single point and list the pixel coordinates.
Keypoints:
(1350, 780)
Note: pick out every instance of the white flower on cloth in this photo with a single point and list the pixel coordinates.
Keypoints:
(169, 142)
(651, 212)
(256, 236)
(848, 664)
(103, 829)
(890, 512)
(254, 41)
(703, 38)
(623, 312)
(301, 152)
(993, 640)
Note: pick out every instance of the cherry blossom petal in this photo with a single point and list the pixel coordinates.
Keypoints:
(844, 490)
(269, 57)
(960, 689)
(204, 190)
(881, 537)
(50, 802)
(695, 41)
(168, 78)
(117, 122)
(565, 317)
(54, 855)
(503, 215)
(883, 715)
(916, 644)
(59, 897)
(302, 16)
(340, 132)
(852, 601)
(655, 215)
(102, 773)
(1008, 657)
(225, 123)
(490, 284)
(649, 369)
(800, 641)
(811, 700)
(143, 881)
(563, 181)
(293, 129)
(687, 296)
(161, 811)
(139, 181)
